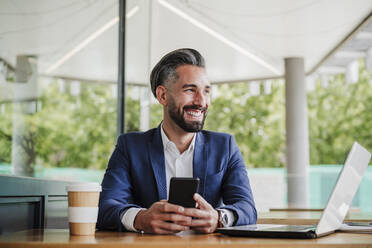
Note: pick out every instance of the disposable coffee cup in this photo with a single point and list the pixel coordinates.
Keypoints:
(83, 207)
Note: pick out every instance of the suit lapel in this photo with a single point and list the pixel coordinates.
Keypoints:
(158, 163)
(200, 161)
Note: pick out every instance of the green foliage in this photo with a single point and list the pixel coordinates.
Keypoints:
(132, 113)
(80, 131)
(5, 133)
(257, 122)
(76, 131)
(339, 115)
(156, 115)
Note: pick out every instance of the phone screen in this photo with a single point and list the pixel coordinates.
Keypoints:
(182, 190)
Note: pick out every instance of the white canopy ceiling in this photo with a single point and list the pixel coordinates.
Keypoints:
(240, 39)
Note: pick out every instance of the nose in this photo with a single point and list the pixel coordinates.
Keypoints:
(202, 99)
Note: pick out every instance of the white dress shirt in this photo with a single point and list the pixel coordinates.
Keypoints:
(176, 165)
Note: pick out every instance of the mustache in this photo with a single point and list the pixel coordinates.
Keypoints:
(195, 107)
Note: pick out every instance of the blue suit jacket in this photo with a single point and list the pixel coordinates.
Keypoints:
(135, 176)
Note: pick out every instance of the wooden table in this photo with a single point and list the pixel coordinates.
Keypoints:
(306, 217)
(58, 238)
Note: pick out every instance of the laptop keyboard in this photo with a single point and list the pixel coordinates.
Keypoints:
(291, 228)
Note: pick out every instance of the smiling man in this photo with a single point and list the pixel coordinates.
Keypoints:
(136, 183)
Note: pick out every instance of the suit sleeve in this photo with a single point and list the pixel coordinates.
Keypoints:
(236, 191)
(116, 196)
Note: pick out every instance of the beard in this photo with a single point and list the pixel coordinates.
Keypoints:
(177, 115)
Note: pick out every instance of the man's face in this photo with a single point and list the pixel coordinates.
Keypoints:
(189, 98)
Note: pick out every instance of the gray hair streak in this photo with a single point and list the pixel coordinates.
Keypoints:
(165, 70)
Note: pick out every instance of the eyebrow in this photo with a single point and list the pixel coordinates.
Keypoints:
(193, 86)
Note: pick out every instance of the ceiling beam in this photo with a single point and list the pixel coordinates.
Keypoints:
(348, 37)
(349, 54)
(331, 69)
(86, 80)
(8, 64)
(364, 35)
(248, 80)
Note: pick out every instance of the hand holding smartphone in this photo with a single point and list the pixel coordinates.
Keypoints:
(182, 190)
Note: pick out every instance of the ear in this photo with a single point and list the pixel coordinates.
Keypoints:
(161, 95)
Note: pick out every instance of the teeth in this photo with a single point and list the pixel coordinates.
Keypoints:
(195, 114)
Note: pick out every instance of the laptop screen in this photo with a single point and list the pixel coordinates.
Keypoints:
(343, 193)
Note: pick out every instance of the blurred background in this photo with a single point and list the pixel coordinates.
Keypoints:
(59, 92)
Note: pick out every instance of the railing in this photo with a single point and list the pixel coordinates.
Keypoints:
(268, 184)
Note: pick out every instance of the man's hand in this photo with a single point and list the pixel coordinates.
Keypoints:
(207, 216)
(162, 218)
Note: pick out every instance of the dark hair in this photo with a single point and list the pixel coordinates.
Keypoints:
(165, 70)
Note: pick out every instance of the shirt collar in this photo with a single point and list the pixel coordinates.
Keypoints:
(167, 142)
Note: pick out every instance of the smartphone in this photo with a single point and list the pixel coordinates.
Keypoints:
(182, 190)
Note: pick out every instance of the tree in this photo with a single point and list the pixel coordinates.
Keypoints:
(76, 131)
(257, 122)
(339, 115)
(6, 134)
(80, 131)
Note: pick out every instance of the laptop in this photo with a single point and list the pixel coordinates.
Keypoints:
(334, 213)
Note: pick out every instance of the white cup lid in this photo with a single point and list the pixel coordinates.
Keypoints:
(84, 187)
